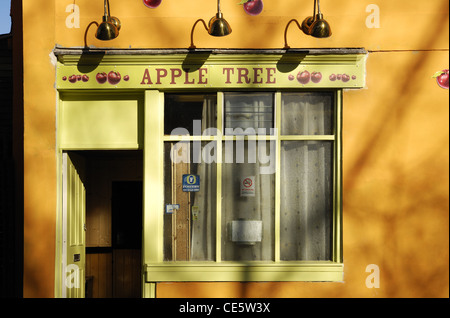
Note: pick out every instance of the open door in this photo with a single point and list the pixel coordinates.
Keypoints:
(74, 220)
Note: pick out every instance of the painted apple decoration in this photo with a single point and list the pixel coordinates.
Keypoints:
(291, 77)
(333, 77)
(252, 7)
(442, 78)
(152, 3)
(126, 78)
(114, 77)
(101, 77)
(84, 78)
(316, 77)
(345, 77)
(303, 77)
(72, 78)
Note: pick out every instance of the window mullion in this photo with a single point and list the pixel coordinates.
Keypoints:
(219, 140)
(277, 176)
(337, 230)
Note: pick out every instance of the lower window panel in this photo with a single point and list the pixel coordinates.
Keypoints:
(306, 200)
(248, 201)
(190, 205)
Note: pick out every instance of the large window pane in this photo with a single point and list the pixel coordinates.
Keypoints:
(189, 114)
(190, 204)
(306, 200)
(248, 202)
(245, 113)
(307, 114)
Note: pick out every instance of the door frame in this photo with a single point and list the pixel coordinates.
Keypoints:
(78, 273)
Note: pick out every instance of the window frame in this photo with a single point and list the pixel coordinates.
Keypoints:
(158, 270)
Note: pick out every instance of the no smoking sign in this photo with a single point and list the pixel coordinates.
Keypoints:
(248, 186)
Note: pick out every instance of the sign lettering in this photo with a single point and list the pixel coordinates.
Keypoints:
(174, 76)
(169, 76)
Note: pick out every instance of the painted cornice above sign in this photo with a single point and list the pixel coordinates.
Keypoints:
(209, 68)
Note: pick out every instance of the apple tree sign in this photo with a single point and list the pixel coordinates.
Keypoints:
(309, 72)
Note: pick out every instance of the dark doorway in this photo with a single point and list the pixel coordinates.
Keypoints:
(113, 223)
(126, 206)
(127, 214)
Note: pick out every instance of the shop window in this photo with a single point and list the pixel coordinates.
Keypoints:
(306, 169)
(183, 114)
(248, 114)
(240, 204)
(190, 216)
(248, 205)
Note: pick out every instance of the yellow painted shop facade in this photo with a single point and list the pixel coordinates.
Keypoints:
(210, 233)
(265, 163)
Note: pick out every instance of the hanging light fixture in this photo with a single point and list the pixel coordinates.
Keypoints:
(110, 26)
(217, 26)
(314, 25)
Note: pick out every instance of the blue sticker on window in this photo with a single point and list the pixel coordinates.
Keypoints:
(191, 183)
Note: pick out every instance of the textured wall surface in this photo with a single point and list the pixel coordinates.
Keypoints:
(396, 131)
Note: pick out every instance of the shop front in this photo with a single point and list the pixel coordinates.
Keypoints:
(185, 165)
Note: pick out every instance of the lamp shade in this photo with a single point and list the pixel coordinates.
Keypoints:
(218, 26)
(320, 27)
(116, 22)
(106, 30)
(110, 26)
(306, 24)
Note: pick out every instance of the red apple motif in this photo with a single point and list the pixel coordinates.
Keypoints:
(333, 77)
(126, 78)
(85, 78)
(291, 77)
(252, 7)
(101, 77)
(64, 78)
(316, 77)
(114, 77)
(345, 77)
(303, 77)
(72, 78)
(442, 78)
(152, 3)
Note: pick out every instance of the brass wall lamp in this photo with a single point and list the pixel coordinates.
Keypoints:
(315, 25)
(110, 26)
(217, 26)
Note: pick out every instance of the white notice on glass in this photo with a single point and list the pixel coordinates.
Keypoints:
(248, 186)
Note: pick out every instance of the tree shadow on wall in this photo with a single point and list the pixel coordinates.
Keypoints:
(413, 262)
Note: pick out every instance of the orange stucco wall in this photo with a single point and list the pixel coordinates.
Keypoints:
(396, 131)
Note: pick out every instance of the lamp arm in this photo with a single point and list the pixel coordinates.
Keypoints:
(218, 6)
(286, 46)
(192, 31)
(87, 29)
